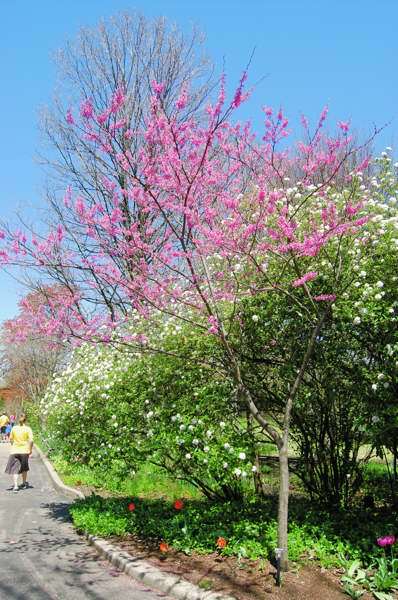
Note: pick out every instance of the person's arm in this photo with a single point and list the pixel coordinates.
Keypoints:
(30, 442)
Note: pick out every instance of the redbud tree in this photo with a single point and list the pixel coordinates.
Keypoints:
(229, 215)
(28, 362)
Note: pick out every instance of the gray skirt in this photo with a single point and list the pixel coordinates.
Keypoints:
(17, 463)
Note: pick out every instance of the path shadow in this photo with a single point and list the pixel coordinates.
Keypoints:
(7, 590)
(52, 552)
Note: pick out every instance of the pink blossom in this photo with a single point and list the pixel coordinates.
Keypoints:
(60, 233)
(69, 117)
(103, 117)
(239, 96)
(80, 206)
(182, 99)
(158, 88)
(202, 213)
(323, 116)
(86, 109)
(214, 326)
(325, 298)
(344, 126)
(117, 101)
(352, 210)
(307, 277)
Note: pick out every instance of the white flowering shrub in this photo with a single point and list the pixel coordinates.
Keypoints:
(376, 318)
(349, 393)
(114, 409)
(81, 414)
(371, 301)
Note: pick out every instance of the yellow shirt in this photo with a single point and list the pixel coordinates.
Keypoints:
(20, 437)
(3, 420)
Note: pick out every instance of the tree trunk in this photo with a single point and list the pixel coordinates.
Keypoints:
(283, 505)
(283, 449)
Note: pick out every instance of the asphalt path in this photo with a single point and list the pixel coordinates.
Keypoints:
(41, 556)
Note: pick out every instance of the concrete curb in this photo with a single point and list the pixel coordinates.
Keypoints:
(137, 568)
(58, 483)
(146, 573)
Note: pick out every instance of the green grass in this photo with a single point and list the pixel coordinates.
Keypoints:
(149, 482)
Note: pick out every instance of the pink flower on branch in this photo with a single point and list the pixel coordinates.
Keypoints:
(117, 100)
(325, 298)
(304, 279)
(213, 325)
(69, 117)
(86, 109)
(344, 126)
(204, 204)
(158, 88)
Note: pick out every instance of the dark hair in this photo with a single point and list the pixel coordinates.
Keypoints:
(22, 418)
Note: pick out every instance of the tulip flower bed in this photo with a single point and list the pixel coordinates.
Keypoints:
(245, 531)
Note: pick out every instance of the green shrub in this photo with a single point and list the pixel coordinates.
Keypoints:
(115, 410)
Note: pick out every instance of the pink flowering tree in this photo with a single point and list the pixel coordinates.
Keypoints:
(46, 314)
(228, 216)
(28, 357)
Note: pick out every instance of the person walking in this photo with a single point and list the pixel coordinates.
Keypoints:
(21, 439)
(4, 420)
(8, 431)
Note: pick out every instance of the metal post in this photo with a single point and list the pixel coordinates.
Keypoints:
(278, 555)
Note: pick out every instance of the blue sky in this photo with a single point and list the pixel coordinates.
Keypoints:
(343, 53)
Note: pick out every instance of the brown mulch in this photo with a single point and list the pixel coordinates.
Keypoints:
(244, 580)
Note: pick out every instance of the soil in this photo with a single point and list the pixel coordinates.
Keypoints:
(244, 580)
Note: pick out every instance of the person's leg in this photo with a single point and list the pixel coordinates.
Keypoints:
(24, 470)
(15, 478)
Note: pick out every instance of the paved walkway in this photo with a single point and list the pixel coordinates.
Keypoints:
(41, 557)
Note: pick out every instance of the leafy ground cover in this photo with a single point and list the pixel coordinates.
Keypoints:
(233, 537)
(249, 529)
